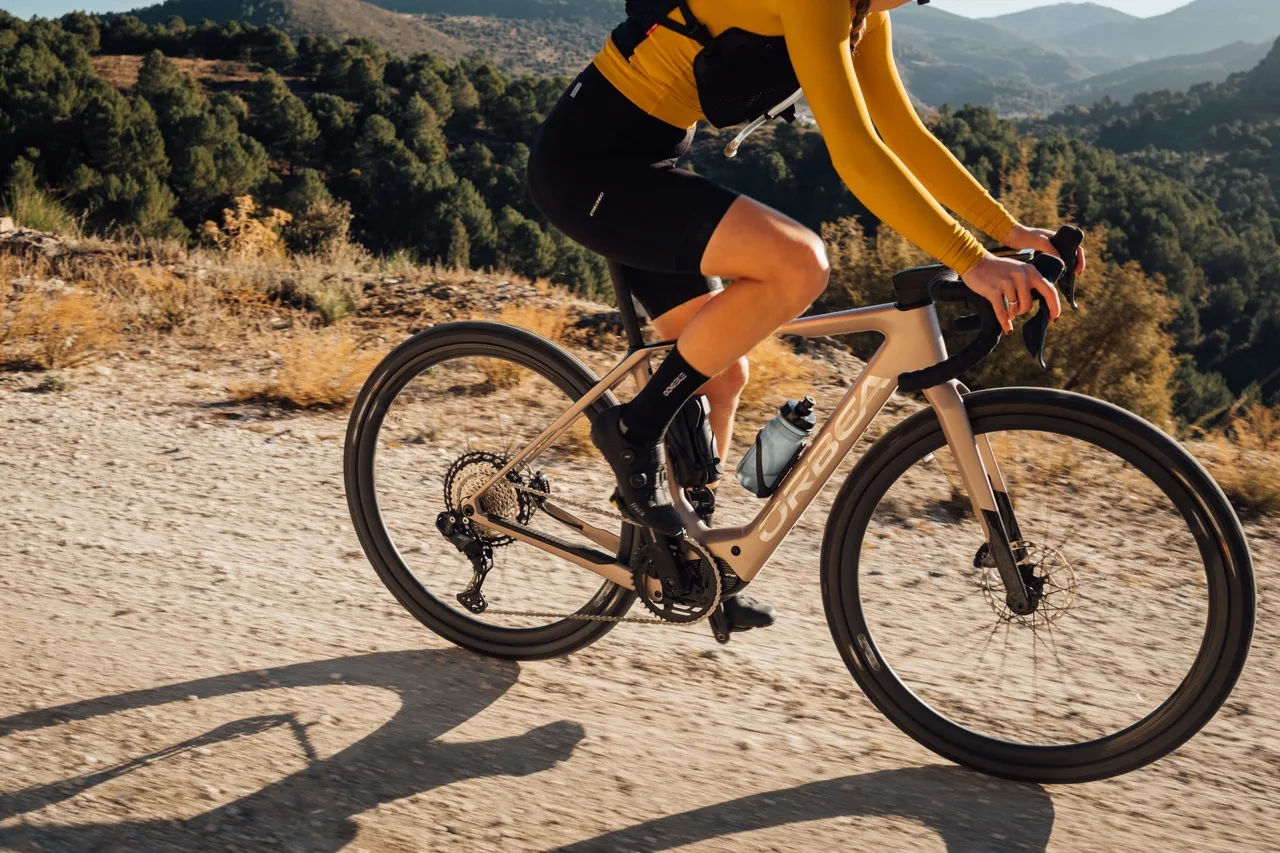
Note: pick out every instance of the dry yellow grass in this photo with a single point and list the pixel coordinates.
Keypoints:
(318, 370)
(1245, 460)
(59, 330)
(576, 442)
(547, 322)
(777, 375)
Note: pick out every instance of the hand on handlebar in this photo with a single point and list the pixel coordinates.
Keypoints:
(1010, 282)
(1041, 239)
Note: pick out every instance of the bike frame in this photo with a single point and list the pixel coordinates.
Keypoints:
(912, 341)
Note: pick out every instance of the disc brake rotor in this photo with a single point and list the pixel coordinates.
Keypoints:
(1051, 571)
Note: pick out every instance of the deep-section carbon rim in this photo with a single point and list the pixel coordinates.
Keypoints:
(869, 649)
(436, 608)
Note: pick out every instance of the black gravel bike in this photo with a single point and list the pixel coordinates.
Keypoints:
(1030, 582)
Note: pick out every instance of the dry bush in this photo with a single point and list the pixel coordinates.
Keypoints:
(60, 329)
(777, 375)
(548, 322)
(1245, 460)
(247, 232)
(320, 285)
(323, 229)
(166, 301)
(319, 370)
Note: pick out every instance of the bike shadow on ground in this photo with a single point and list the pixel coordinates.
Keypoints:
(312, 809)
(969, 812)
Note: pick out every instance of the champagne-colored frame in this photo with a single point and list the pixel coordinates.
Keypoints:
(912, 341)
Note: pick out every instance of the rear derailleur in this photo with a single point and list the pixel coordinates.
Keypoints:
(462, 533)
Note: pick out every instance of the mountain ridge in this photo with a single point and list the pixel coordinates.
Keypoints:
(336, 19)
(1197, 27)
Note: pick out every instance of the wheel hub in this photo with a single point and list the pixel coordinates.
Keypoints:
(468, 474)
(1051, 585)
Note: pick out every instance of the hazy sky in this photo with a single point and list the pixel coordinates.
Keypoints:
(972, 8)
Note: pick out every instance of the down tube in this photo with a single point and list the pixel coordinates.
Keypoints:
(748, 549)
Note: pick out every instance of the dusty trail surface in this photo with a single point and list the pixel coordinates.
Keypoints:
(198, 657)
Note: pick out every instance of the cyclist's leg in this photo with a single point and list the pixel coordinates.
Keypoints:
(779, 266)
(723, 390)
(602, 171)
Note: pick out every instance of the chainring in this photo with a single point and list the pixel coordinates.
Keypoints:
(468, 473)
(682, 610)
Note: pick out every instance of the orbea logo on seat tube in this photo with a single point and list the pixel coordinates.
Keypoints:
(814, 464)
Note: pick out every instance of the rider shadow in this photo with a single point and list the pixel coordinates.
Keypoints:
(313, 809)
(969, 812)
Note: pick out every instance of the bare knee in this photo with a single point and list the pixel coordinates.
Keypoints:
(803, 273)
(727, 385)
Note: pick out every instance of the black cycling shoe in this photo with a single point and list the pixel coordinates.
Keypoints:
(641, 469)
(744, 613)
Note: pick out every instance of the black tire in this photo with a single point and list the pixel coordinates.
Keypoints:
(1192, 492)
(410, 359)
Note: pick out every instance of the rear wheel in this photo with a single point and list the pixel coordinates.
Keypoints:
(1145, 585)
(438, 416)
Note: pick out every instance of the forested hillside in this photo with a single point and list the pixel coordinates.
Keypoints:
(1223, 141)
(427, 158)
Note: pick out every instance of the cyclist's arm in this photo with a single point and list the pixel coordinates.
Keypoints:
(926, 157)
(817, 33)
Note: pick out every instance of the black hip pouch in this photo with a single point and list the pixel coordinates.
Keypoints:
(741, 75)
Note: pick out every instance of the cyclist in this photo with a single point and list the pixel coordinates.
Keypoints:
(603, 171)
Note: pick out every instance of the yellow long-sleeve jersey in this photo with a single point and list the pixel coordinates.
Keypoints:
(903, 175)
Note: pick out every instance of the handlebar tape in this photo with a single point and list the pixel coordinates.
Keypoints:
(948, 287)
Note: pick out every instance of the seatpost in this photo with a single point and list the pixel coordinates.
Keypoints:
(630, 322)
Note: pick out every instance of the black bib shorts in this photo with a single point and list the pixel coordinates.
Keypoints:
(604, 172)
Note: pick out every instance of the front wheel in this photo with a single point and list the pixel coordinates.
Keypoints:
(1141, 569)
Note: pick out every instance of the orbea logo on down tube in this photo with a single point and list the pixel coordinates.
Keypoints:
(812, 471)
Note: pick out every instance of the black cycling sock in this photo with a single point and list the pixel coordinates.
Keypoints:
(673, 384)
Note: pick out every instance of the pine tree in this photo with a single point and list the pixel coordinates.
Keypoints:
(458, 256)
(421, 131)
(281, 121)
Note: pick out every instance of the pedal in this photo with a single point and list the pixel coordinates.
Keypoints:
(720, 626)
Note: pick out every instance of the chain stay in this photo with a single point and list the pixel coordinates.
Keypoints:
(631, 620)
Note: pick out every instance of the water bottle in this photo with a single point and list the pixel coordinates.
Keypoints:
(777, 447)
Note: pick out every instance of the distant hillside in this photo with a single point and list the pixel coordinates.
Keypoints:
(542, 46)
(1175, 73)
(1200, 26)
(337, 19)
(1052, 24)
(1221, 141)
(1027, 63)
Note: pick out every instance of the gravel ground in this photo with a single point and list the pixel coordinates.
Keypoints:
(197, 656)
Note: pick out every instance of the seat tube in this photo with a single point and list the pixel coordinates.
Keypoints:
(626, 307)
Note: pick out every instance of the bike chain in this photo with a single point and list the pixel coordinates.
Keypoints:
(631, 620)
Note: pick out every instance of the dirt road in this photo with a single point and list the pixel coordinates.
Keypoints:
(198, 657)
